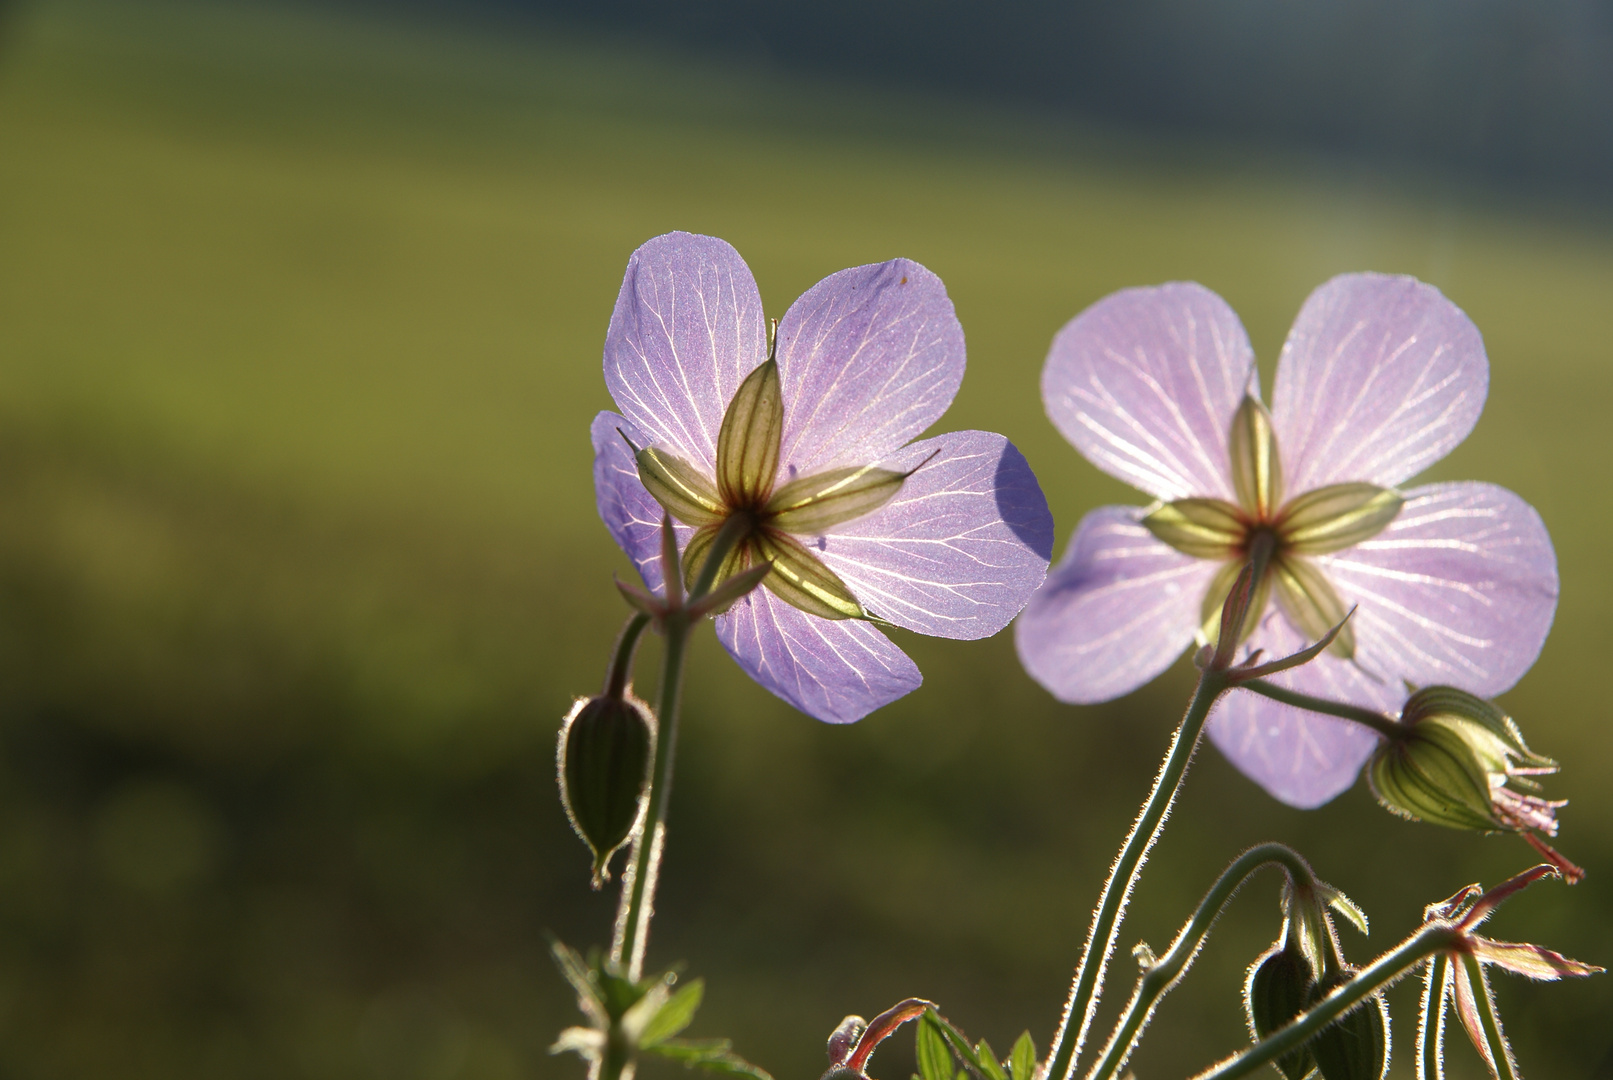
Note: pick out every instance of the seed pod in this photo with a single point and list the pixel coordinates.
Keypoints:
(603, 762)
(1356, 1045)
(1278, 988)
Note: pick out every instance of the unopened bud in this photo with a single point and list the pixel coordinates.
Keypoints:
(1356, 1045)
(1451, 765)
(603, 762)
(1277, 990)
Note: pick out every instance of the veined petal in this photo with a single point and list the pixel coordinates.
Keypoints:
(1459, 589)
(1145, 384)
(1202, 528)
(959, 549)
(800, 579)
(1116, 611)
(814, 504)
(869, 358)
(836, 671)
(1311, 603)
(748, 444)
(631, 515)
(678, 487)
(1332, 518)
(1380, 377)
(686, 330)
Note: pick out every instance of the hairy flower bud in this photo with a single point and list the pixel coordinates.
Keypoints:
(1453, 762)
(1356, 1045)
(603, 760)
(1277, 990)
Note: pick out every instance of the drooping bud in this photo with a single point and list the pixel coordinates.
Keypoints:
(1356, 1045)
(1277, 990)
(603, 760)
(1452, 763)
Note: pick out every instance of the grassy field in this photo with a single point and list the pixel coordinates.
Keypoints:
(300, 325)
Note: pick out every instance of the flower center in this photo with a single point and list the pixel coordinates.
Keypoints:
(770, 516)
(1316, 522)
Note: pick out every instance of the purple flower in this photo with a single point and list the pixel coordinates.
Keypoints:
(808, 449)
(1380, 377)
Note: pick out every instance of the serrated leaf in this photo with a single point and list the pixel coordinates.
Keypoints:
(674, 1016)
(934, 1056)
(1022, 1058)
(712, 1055)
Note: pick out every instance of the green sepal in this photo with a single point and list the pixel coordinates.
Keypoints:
(1430, 774)
(748, 442)
(1356, 1045)
(1257, 473)
(800, 579)
(1022, 1058)
(1202, 528)
(1215, 598)
(711, 1055)
(1332, 518)
(1473, 712)
(1311, 604)
(812, 504)
(737, 559)
(679, 487)
(673, 1016)
(1276, 992)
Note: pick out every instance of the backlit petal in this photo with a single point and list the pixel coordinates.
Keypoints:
(869, 358)
(686, 330)
(1116, 611)
(631, 515)
(836, 671)
(1145, 383)
(1380, 377)
(959, 549)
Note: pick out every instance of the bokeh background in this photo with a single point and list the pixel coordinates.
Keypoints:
(301, 309)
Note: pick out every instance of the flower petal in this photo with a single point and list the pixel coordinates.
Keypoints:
(686, 330)
(1145, 383)
(870, 357)
(1379, 378)
(1300, 758)
(835, 671)
(959, 549)
(631, 515)
(1114, 613)
(1460, 589)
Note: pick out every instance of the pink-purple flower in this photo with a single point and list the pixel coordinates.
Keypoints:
(1379, 378)
(807, 446)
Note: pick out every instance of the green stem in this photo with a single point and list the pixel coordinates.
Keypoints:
(1122, 879)
(1383, 971)
(1163, 975)
(1500, 1053)
(621, 663)
(1387, 726)
(1431, 1023)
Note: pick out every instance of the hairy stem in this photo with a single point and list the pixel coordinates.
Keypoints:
(1387, 726)
(1500, 1052)
(621, 664)
(1383, 971)
(1163, 975)
(1106, 919)
(1431, 1022)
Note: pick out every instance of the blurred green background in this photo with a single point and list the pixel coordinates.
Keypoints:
(300, 325)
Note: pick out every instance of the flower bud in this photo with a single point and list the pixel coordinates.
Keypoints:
(1452, 762)
(603, 762)
(1278, 987)
(1356, 1045)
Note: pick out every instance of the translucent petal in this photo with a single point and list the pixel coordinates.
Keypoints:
(1118, 608)
(1380, 377)
(686, 330)
(835, 671)
(1145, 383)
(959, 550)
(869, 358)
(628, 511)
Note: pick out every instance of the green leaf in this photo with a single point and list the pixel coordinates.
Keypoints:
(1022, 1058)
(934, 1057)
(712, 1055)
(987, 1061)
(575, 970)
(674, 1016)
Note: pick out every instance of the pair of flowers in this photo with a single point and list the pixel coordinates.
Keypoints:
(797, 450)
